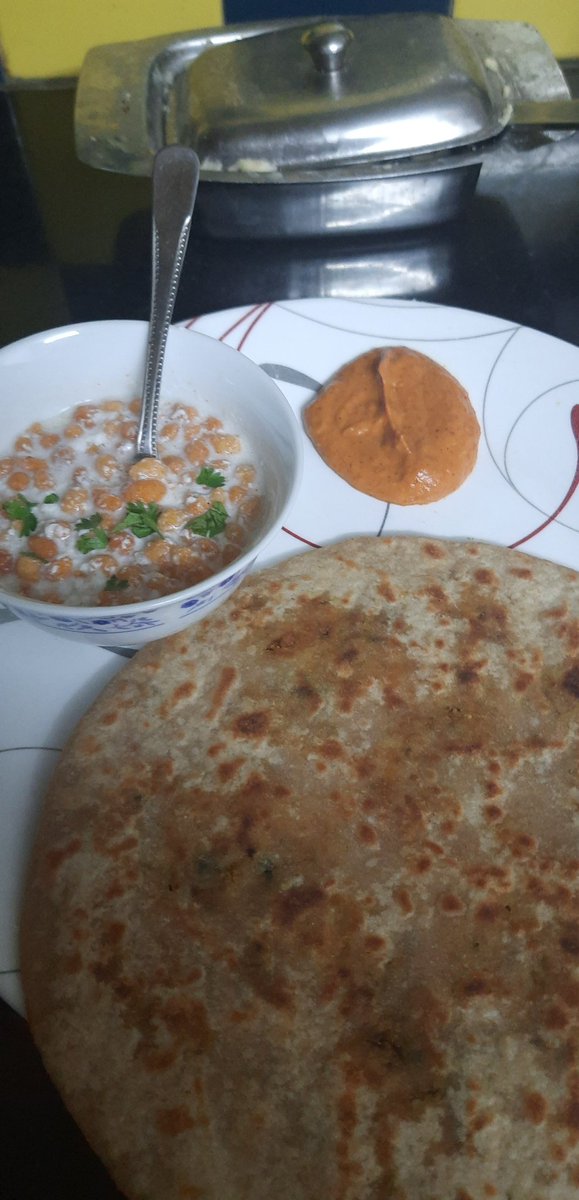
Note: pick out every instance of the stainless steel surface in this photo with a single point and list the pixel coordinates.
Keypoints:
(521, 57)
(124, 94)
(175, 180)
(133, 98)
(409, 83)
(327, 44)
(380, 201)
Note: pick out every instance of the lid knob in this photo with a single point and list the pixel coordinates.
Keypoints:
(326, 44)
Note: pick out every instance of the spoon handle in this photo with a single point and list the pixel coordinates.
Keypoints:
(175, 180)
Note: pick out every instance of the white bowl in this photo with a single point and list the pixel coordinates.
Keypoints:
(47, 373)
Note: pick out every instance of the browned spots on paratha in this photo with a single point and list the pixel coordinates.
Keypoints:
(555, 1018)
(349, 691)
(571, 634)
(464, 748)
(116, 849)
(116, 889)
(251, 724)
(89, 744)
(307, 697)
(295, 901)
(493, 812)
(488, 624)
(113, 933)
(285, 643)
(557, 612)
(437, 597)
(470, 672)
(478, 985)
(487, 877)
(421, 865)
(374, 942)
(571, 681)
(569, 940)
(487, 912)
(492, 788)
(570, 1116)
(386, 591)
(187, 1021)
(346, 660)
(346, 1123)
(484, 577)
(312, 623)
(173, 1121)
(177, 698)
(259, 969)
(361, 939)
(367, 834)
(392, 698)
(332, 749)
(226, 680)
(229, 769)
(403, 899)
(55, 858)
(162, 772)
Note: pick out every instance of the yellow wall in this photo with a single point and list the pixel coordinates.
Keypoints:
(48, 38)
(557, 20)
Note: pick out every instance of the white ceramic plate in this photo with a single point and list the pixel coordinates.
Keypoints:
(524, 387)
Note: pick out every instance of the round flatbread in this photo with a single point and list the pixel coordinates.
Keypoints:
(302, 917)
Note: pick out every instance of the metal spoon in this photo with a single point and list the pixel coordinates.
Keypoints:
(175, 180)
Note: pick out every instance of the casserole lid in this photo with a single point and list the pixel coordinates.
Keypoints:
(337, 92)
(285, 101)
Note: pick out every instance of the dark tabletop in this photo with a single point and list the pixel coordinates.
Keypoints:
(74, 246)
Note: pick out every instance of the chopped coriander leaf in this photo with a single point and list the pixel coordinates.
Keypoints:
(20, 509)
(211, 523)
(114, 584)
(52, 498)
(141, 519)
(95, 539)
(89, 522)
(207, 477)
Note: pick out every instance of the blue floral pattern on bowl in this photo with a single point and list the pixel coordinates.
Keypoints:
(209, 596)
(130, 629)
(123, 623)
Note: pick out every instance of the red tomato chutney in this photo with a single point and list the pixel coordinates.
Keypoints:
(395, 425)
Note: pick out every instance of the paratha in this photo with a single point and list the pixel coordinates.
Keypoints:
(302, 915)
